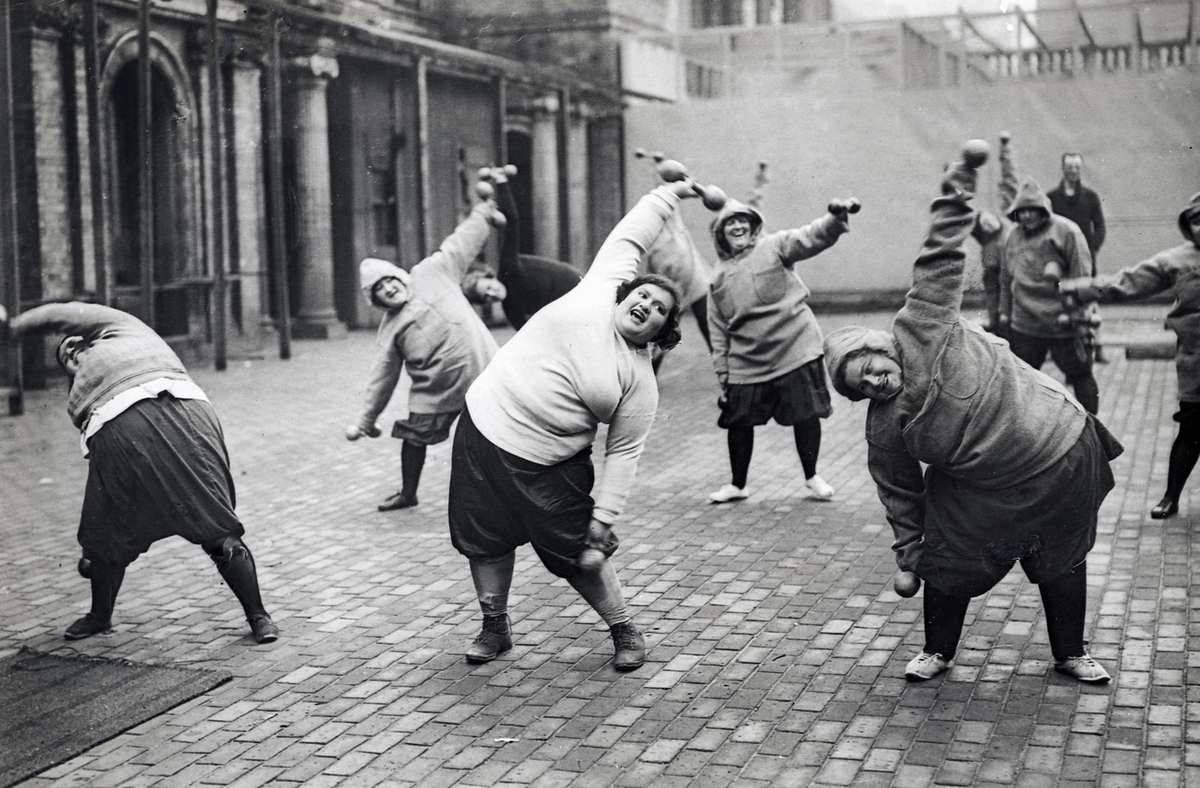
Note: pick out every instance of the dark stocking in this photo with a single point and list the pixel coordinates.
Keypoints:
(741, 449)
(944, 616)
(808, 444)
(412, 462)
(1184, 453)
(106, 582)
(1065, 600)
(700, 312)
(236, 565)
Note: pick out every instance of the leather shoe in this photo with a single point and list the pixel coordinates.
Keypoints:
(629, 647)
(264, 629)
(1167, 507)
(494, 638)
(86, 627)
(397, 500)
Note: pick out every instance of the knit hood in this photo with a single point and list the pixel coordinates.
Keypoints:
(733, 208)
(372, 269)
(1191, 208)
(1030, 195)
(844, 343)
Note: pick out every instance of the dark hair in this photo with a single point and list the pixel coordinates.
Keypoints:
(1069, 155)
(669, 335)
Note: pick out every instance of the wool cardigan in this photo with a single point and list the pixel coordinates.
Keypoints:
(569, 370)
(121, 352)
(758, 314)
(437, 334)
(968, 407)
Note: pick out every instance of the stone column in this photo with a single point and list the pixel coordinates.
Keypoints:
(545, 176)
(49, 158)
(249, 220)
(308, 79)
(577, 186)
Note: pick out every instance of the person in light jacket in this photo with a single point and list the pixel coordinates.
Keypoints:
(1001, 442)
(1176, 269)
(766, 344)
(430, 327)
(157, 462)
(1040, 251)
(521, 469)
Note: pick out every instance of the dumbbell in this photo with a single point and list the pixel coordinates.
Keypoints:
(484, 189)
(672, 171)
(975, 153)
(906, 583)
(591, 559)
(1052, 271)
(842, 207)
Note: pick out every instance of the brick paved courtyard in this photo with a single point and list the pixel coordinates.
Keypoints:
(777, 646)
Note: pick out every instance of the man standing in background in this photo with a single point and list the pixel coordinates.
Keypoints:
(1081, 205)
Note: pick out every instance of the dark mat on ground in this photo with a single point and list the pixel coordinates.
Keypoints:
(58, 706)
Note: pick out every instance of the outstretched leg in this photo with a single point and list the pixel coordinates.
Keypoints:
(602, 590)
(1184, 453)
(944, 616)
(106, 582)
(493, 579)
(412, 462)
(740, 441)
(1065, 601)
(236, 564)
(807, 436)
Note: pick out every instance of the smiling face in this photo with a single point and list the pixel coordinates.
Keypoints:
(1193, 224)
(1031, 219)
(390, 293)
(643, 313)
(737, 232)
(874, 375)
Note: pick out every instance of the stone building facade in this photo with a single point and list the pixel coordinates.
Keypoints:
(388, 108)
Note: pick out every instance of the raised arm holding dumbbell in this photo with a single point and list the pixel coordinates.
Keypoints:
(766, 344)
(971, 451)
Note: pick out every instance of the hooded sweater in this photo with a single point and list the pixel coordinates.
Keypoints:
(121, 352)
(968, 407)
(569, 370)
(1027, 296)
(1176, 268)
(436, 333)
(758, 313)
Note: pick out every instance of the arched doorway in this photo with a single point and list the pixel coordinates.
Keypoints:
(172, 199)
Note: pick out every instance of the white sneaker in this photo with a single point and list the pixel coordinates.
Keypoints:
(925, 666)
(1083, 668)
(820, 489)
(728, 493)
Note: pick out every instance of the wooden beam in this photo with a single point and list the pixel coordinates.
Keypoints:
(1084, 25)
(969, 25)
(1024, 19)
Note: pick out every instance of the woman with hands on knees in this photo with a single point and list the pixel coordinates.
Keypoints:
(1177, 269)
(1001, 442)
(430, 327)
(521, 469)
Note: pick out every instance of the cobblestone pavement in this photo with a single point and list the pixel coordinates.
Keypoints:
(777, 646)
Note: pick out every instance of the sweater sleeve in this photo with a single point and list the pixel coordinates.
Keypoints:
(462, 246)
(1074, 250)
(901, 490)
(811, 239)
(381, 383)
(933, 303)
(74, 318)
(1142, 280)
(627, 433)
(620, 255)
(718, 329)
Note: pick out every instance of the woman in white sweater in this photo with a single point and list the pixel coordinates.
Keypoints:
(521, 468)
